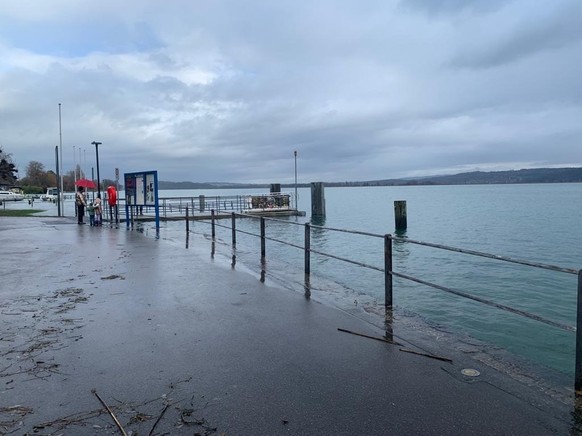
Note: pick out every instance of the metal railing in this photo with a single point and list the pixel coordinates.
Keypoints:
(228, 203)
(389, 273)
(175, 207)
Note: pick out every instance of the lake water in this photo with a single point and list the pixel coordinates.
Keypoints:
(539, 223)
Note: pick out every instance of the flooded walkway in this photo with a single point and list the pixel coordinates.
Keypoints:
(175, 343)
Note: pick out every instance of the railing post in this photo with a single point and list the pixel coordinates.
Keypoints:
(578, 370)
(388, 271)
(307, 249)
(263, 245)
(213, 226)
(187, 221)
(233, 228)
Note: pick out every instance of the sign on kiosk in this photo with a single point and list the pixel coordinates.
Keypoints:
(141, 189)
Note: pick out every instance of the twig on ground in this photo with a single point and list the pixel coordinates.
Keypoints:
(110, 412)
(388, 341)
(158, 420)
(432, 356)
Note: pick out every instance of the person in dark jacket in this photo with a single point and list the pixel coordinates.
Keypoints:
(80, 203)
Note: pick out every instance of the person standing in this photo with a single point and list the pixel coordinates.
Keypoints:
(80, 203)
(91, 212)
(97, 204)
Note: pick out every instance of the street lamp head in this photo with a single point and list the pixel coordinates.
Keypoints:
(95, 143)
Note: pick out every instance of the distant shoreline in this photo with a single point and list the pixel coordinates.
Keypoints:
(524, 176)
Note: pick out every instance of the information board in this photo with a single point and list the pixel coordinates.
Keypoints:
(141, 190)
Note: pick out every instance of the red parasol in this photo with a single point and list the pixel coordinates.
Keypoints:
(86, 183)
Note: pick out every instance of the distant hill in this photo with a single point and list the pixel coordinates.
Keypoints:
(535, 175)
(206, 185)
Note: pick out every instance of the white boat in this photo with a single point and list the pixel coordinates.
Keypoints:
(51, 194)
(10, 196)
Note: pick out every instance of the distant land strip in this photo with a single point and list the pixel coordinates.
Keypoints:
(533, 175)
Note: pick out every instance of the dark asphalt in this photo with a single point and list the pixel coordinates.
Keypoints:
(169, 338)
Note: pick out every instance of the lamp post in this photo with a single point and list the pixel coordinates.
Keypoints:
(296, 198)
(60, 167)
(96, 144)
(58, 174)
(75, 164)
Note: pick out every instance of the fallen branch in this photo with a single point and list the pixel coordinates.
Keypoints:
(76, 418)
(158, 420)
(432, 356)
(376, 338)
(110, 412)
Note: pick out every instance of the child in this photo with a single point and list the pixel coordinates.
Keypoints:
(91, 212)
(98, 211)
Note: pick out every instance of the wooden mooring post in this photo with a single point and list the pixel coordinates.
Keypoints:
(400, 214)
(317, 199)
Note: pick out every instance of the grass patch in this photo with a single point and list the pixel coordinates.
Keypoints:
(18, 212)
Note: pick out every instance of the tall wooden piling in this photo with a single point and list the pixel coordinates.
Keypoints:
(317, 199)
(201, 201)
(400, 214)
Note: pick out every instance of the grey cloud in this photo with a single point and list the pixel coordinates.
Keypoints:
(533, 35)
(447, 7)
(361, 90)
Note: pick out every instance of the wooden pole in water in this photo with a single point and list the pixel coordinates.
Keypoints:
(317, 199)
(400, 214)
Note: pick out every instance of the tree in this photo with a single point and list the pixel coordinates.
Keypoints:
(107, 182)
(36, 174)
(51, 178)
(7, 169)
(69, 181)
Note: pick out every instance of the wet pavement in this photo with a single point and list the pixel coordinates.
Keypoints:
(174, 342)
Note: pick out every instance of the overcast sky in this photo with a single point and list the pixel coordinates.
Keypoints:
(226, 90)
